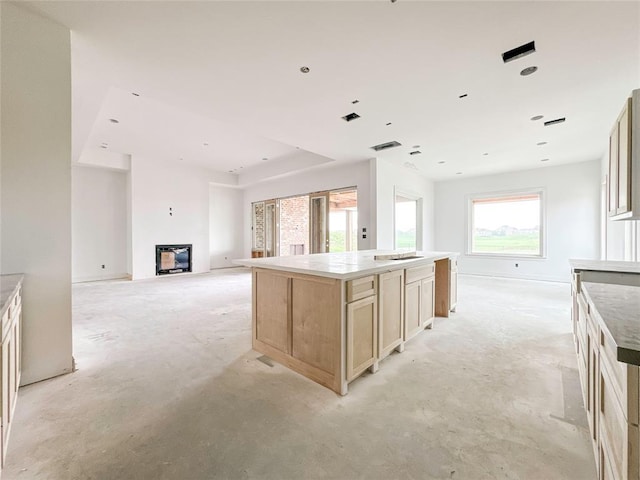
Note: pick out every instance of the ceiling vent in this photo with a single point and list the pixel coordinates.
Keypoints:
(415, 152)
(384, 146)
(553, 122)
(519, 52)
(351, 116)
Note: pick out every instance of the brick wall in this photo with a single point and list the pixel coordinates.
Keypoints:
(294, 225)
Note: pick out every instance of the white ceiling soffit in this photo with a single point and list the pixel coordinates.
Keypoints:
(228, 73)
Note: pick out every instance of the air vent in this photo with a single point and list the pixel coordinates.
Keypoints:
(384, 146)
(553, 122)
(519, 52)
(351, 116)
(415, 152)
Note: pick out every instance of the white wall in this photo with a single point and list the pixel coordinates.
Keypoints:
(572, 194)
(36, 184)
(389, 178)
(225, 226)
(356, 174)
(155, 188)
(99, 223)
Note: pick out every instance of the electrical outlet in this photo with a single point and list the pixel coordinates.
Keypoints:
(516, 265)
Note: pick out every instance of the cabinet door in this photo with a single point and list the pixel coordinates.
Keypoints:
(613, 171)
(362, 336)
(271, 310)
(315, 322)
(624, 160)
(427, 301)
(390, 311)
(412, 313)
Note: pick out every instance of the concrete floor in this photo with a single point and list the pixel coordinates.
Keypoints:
(169, 388)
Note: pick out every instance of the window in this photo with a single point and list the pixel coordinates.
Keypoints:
(507, 224)
(407, 222)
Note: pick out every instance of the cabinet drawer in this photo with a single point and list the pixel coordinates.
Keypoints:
(418, 273)
(361, 288)
(624, 378)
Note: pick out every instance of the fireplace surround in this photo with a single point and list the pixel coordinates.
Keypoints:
(173, 259)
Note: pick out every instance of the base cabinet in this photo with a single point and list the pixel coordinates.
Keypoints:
(11, 364)
(610, 390)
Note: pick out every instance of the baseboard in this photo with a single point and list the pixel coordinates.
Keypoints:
(105, 276)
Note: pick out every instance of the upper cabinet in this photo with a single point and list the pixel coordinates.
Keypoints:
(624, 162)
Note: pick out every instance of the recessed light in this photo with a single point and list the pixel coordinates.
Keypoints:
(415, 152)
(388, 124)
(230, 171)
(264, 159)
(464, 95)
(485, 154)
(528, 71)
(305, 69)
(441, 162)
(458, 173)
(537, 117)
(135, 94)
(113, 120)
(416, 146)
(541, 143)
(355, 101)
(181, 159)
(205, 144)
(103, 146)
(544, 160)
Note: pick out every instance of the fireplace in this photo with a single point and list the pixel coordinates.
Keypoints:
(173, 259)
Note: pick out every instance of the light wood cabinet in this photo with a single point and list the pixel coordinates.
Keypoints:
(11, 368)
(610, 390)
(624, 162)
(390, 312)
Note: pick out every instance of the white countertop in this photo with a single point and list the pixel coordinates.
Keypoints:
(605, 266)
(343, 266)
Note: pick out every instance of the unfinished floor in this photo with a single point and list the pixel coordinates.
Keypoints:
(168, 387)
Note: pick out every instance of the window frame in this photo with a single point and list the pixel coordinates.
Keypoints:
(540, 191)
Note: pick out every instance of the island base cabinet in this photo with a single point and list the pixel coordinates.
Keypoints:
(362, 336)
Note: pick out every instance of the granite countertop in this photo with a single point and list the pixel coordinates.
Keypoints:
(343, 266)
(8, 285)
(619, 309)
(605, 266)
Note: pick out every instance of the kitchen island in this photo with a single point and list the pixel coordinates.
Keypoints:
(331, 316)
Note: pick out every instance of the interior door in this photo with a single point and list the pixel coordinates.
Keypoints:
(271, 241)
(319, 222)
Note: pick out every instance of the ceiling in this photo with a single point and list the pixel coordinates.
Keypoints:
(219, 84)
